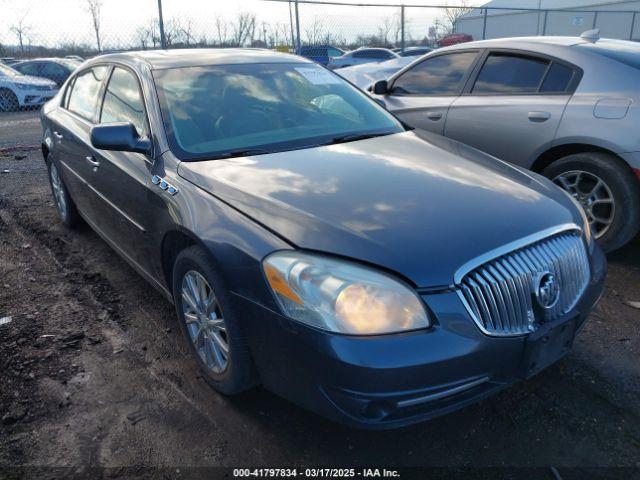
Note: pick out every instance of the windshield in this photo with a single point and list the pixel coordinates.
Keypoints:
(263, 108)
(6, 71)
(625, 52)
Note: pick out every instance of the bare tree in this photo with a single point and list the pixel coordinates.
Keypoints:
(222, 30)
(21, 29)
(314, 32)
(244, 29)
(279, 34)
(184, 30)
(94, 8)
(452, 14)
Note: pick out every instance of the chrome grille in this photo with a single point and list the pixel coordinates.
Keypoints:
(499, 294)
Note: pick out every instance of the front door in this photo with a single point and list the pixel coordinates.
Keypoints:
(421, 95)
(121, 178)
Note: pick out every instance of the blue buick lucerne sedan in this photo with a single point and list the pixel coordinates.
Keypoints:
(311, 242)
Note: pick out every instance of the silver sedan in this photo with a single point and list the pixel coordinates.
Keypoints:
(566, 107)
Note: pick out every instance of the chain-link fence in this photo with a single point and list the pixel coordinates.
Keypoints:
(47, 39)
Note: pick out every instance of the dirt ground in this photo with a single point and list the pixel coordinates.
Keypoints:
(94, 373)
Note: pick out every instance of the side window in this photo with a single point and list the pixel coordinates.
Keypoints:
(30, 69)
(359, 54)
(558, 79)
(508, 73)
(441, 75)
(54, 71)
(83, 98)
(333, 52)
(123, 101)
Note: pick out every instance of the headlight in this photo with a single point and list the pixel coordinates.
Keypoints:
(342, 296)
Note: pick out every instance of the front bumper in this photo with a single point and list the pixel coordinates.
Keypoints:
(34, 98)
(388, 381)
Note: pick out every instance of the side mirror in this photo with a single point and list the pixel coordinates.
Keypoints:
(121, 137)
(380, 87)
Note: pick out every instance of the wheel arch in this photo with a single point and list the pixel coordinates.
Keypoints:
(173, 242)
(559, 151)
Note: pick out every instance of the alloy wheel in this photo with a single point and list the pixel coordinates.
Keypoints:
(204, 320)
(59, 195)
(595, 197)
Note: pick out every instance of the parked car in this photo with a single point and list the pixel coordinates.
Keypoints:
(320, 53)
(54, 69)
(365, 75)
(19, 91)
(360, 56)
(565, 107)
(310, 242)
(454, 39)
(75, 58)
(8, 60)
(413, 51)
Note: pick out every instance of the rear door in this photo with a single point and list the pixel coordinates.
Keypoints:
(421, 96)
(121, 178)
(513, 107)
(71, 127)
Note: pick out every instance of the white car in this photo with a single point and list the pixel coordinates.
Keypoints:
(365, 75)
(18, 90)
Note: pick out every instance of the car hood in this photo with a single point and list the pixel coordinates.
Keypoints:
(416, 204)
(367, 74)
(29, 80)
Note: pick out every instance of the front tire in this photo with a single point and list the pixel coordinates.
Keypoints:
(8, 101)
(65, 206)
(608, 191)
(209, 323)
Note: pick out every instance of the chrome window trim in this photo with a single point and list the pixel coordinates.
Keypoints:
(509, 247)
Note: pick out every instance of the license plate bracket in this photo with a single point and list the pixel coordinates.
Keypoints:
(547, 345)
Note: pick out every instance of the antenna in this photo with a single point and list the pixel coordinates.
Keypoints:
(591, 35)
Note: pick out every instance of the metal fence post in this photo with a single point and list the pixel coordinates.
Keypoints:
(544, 25)
(484, 25)
(297, 29)
(595, 20)
(633, 25)
(163, 42)
(402, 28)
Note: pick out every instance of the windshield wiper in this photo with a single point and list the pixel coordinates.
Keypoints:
(240, 152)
(352, 137)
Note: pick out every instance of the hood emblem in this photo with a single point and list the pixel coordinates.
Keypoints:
(164, 185)
(547, 290)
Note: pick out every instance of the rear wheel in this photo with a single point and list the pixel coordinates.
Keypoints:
(64, 204)
(608, 191)
(8, 101)
(209, 323)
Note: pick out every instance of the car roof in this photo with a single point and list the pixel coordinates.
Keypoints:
(194, 57)
(520, 42)
(371, 48)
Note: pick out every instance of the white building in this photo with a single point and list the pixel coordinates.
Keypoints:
(615, 19)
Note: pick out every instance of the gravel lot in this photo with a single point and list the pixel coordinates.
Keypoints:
(94, 373)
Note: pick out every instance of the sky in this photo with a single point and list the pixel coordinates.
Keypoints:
(54, 21)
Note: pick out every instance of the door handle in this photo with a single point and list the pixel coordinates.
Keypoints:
(435, 116)
(92, 160)
(58, 135)
(539, 116)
